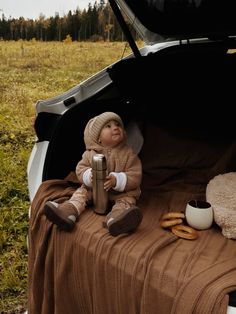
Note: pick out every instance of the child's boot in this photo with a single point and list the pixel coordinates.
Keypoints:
(123, 218)
(63, 215)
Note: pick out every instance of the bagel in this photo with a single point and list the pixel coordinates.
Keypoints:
(185, 232)
(171, 219)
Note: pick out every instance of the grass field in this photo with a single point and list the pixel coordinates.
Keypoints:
(30, 71)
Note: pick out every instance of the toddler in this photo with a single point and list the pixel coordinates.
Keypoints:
(104, 134)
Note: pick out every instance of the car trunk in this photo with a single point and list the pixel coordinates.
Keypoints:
(180, 98)
(187, 87)
(184, 117)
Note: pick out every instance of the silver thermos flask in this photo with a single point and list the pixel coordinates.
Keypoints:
(99, 172)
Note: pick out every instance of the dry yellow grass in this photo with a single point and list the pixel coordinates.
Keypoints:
(38, 70)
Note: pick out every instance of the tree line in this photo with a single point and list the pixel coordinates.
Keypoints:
(96, 23)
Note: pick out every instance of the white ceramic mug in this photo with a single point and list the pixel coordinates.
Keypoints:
(199, 214)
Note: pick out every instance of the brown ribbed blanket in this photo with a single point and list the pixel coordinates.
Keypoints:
(150, 271)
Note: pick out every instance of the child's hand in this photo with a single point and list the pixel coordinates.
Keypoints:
(110, 182)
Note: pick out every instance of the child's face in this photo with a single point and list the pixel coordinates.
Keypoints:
(111, 134)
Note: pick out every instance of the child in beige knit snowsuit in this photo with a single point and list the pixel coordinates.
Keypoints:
(104, 134)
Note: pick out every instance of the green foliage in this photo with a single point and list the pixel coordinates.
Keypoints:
(30, 71)
(95, 22)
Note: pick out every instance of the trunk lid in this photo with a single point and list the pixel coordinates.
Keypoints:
(165, 20)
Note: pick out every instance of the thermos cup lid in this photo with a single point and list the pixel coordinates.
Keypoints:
(99, 162)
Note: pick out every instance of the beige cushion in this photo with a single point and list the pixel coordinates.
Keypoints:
(221, 193)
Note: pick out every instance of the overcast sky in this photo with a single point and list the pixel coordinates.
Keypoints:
(32, 8)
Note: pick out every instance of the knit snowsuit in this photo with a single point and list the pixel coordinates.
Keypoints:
(119, 159)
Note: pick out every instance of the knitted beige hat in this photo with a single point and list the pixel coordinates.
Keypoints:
(97, 123)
